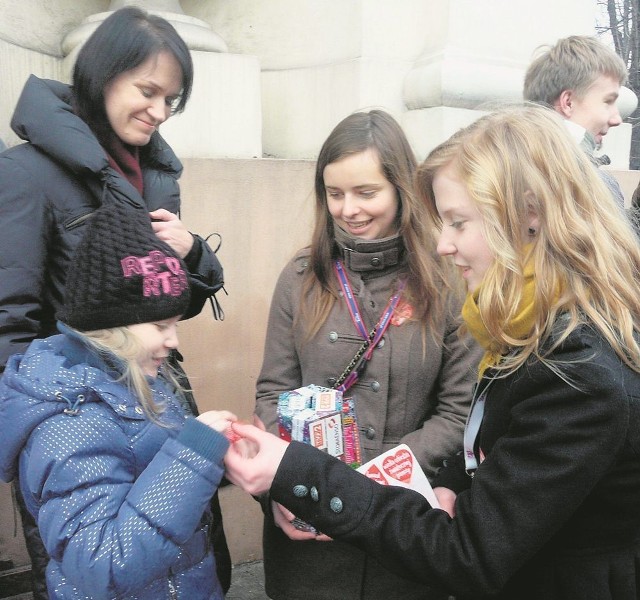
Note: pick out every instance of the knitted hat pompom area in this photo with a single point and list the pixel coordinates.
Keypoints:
(122, 274)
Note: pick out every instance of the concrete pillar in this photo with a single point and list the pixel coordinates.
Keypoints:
(321, 60)
(434, 64)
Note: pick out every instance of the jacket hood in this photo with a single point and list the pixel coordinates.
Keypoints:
(56, 375)
(44, 117)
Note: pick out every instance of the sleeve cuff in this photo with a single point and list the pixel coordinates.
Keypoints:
(193, 256)
(204, 440)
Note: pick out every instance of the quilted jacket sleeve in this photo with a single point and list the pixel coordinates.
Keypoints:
(23, 225)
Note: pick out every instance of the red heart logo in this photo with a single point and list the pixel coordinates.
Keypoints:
(374, 473)
(399, 466)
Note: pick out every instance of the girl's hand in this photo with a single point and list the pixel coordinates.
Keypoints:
(446, 499)
(220, 420)
(283, 518)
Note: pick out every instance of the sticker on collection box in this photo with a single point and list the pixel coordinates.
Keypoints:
(321, 417)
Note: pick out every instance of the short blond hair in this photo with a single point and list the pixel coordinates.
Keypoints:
(573, 63)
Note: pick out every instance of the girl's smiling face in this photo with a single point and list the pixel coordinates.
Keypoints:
(462, 236)
(359, 197)
(156, 339)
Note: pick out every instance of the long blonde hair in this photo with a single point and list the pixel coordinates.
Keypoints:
(121, 343)
(427, 283)
(586, 257)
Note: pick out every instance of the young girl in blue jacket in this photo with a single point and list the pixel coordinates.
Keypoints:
(117, 477)
(543, 501)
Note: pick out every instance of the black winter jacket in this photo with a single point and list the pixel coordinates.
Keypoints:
(48, 188)
(551, 513)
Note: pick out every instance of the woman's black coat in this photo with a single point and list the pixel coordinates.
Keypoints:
(553, 512)
(48, 188)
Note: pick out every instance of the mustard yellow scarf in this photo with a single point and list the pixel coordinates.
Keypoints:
(518, 327)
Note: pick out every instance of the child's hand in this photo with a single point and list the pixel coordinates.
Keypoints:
(220, 420)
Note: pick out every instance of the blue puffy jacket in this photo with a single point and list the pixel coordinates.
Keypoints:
(122, 502)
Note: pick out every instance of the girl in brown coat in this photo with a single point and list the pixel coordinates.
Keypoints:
(416, 387)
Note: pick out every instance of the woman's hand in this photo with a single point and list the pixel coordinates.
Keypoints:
(283, 518)
(220, 420)
(171, 230)
(255, 473)
(446, 499)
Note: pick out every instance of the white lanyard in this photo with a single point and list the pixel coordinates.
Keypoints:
(472, 428)
(471, 432)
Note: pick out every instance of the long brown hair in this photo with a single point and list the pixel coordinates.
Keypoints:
(427, 284)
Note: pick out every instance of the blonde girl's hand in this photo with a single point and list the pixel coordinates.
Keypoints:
(257, 421)
(446, 499)
(220, 420)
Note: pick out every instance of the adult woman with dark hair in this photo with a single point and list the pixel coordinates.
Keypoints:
(545, 496)
(94, 140)
(370, 242)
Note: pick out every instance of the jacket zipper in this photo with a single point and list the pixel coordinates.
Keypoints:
(78, 220)
(173, 592)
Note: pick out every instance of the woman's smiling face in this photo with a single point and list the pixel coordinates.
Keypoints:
(139, 100)
(359, 197)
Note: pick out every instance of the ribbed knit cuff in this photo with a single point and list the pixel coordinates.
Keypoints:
(204, 440)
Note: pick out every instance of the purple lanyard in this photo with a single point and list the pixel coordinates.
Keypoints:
(356, 317)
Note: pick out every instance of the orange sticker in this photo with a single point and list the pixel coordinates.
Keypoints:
(403, 311)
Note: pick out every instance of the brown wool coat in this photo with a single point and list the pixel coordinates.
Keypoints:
(402, 397)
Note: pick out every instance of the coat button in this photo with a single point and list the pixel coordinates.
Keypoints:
(333, 336)
(314, 494)
(331, 381)
(335, 504)
(370, 433)
(375, 261)
(381, 343)
(375, 386)
(300, 491)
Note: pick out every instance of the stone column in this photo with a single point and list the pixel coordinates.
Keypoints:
(223, 115)
(321, 60)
